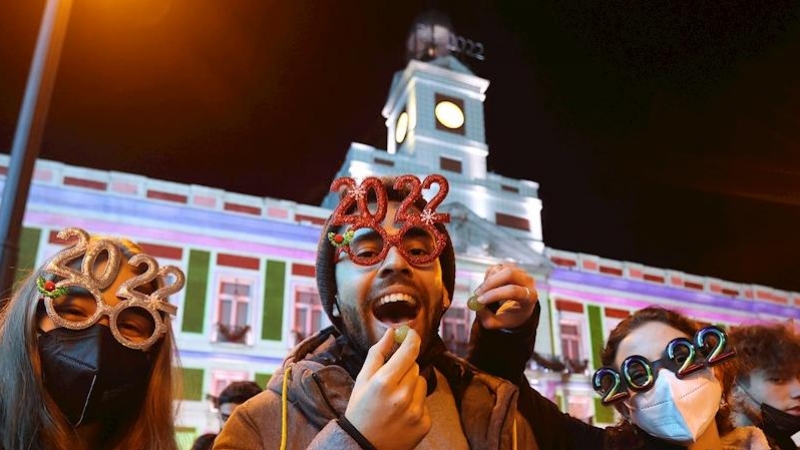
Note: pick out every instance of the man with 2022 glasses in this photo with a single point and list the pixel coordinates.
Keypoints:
(663, 373)
(766, 392)
(385, 263)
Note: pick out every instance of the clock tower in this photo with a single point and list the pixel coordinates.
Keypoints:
(435, 124)
(434, 111)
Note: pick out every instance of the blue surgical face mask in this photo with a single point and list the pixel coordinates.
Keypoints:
(677, 410)
(90, 375)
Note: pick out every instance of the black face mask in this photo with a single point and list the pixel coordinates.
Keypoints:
(90, 375)
(777, 422)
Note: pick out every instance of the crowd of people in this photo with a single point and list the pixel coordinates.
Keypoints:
(87, 355)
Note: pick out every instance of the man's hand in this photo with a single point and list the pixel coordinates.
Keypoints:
(388, 401)
(513, 289)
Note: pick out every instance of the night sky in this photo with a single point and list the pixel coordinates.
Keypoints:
(661, 132)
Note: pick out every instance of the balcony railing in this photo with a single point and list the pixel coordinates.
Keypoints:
(236, 334)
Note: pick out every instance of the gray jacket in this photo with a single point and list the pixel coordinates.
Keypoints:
(318, 391)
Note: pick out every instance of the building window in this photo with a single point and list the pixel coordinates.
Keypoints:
(220, 379)
(506, 220)
(455, 329)
(570, 340)
(580, 407)
(233, 310)
(451, 165)
(309, 316)
(509, 188)
(384, 162)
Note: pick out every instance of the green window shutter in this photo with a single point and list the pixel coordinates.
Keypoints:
(262, 379)
(185, 437)
(29, 240)
(274, 291)
(595, 333)
(194, 304)
(192, 384)
(551, 308)
(602, 414)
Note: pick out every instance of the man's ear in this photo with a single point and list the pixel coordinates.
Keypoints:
(445, 300)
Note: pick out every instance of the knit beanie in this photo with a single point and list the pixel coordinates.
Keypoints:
(326, 272)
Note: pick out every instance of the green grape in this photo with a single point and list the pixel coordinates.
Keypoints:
(474, 305)
(400, 334)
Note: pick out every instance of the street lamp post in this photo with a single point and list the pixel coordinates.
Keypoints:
(28, 136)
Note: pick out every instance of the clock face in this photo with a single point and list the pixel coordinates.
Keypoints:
(401, 127)
(449, 114)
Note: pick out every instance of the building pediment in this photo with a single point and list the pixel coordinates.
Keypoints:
(475, 237)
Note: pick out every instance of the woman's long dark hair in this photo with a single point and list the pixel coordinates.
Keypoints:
(28, 416)
(30, 419)
(625, 434)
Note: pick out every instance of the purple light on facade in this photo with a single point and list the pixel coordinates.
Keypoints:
(741, 310)
(77, 201)
(181, 238)
(231, 357)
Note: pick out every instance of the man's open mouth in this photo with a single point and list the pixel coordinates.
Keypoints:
(395, 309)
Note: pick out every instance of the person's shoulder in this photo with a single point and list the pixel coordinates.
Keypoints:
(308, 374)
(745, 438)
(260, 407)
(320, 391)
(476, 374)
(466, 379)
(302, 362)
(252, 424)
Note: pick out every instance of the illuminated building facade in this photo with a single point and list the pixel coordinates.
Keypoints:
(251, 293)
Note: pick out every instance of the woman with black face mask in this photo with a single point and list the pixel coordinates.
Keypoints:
(767, 388)
(86, 351)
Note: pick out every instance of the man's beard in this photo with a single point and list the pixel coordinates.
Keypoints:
(357, 331)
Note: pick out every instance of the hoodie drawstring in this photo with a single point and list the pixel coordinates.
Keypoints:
(514, 435)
